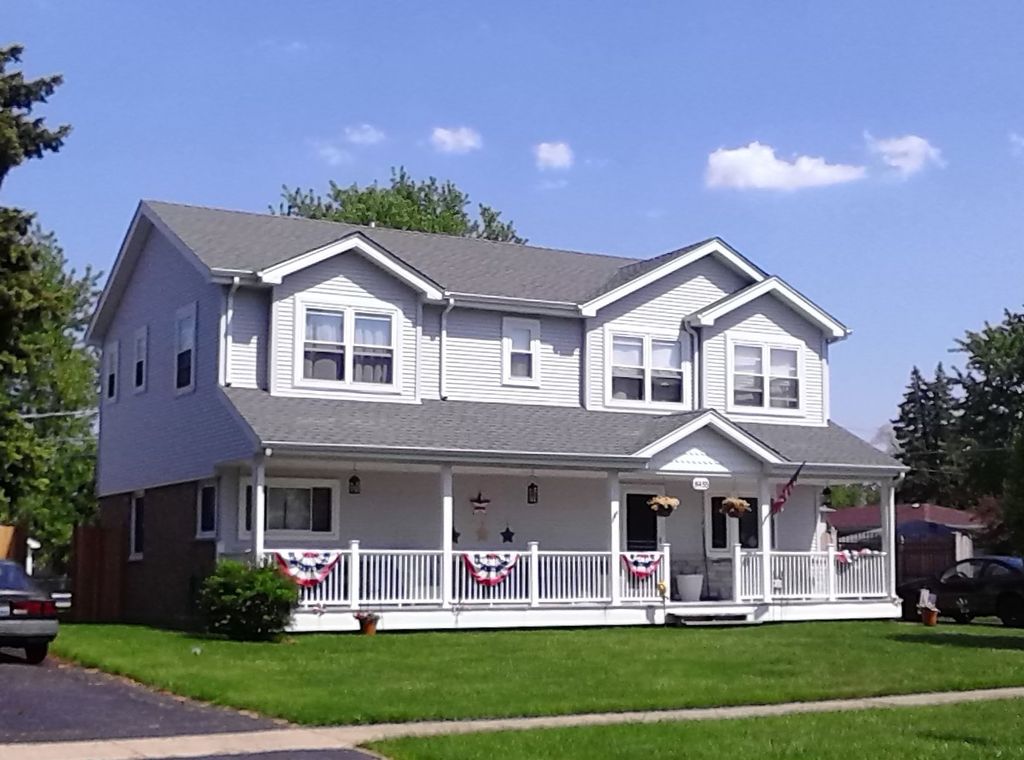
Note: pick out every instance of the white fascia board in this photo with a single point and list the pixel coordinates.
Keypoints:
(834, 328)
(275, 274)
(721, 425)
(515, 305)
(716, 247)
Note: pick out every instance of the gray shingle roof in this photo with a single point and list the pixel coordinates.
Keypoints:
(507, 428)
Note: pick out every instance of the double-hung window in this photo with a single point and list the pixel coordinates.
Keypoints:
(185, 349)
(206, 511)
(139, 365)
(765, 376)
(646, 369)
(520, 346)
(343, 345)
(110, 361)
(294, 506)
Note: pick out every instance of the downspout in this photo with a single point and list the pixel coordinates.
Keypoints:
(443, 348)
(229, 313)
(695, 353)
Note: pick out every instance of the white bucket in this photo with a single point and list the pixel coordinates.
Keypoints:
(689, 587)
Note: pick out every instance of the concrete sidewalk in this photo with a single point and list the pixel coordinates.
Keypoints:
(347, 737)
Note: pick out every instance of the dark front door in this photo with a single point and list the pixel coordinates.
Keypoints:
(641, 524)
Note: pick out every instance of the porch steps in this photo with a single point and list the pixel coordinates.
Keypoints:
(693, 620)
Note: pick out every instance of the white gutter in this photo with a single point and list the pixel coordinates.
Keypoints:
(442, 349)
(229, 316)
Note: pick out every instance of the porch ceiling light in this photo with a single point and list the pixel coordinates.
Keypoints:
(355, 486)
(532, 493)
(826, 497)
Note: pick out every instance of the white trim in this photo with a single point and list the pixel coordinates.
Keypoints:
(799, 303)
(134, 553)
(356, 242)
(716, 246)
(141, 334)
(533, 326)
(200, 487)
(647, 403)
(723, 426)
(188, 311)
(111, 366)
(309, 483)
(765, 343)
(348, 308)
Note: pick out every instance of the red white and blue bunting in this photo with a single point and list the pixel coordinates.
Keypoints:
(641, 564)
(490, 569)
(849, 556)
(307, 568)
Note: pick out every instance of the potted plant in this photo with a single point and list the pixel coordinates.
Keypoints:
(928, 609)
(663, 506)
(367, 622)
(734, 506)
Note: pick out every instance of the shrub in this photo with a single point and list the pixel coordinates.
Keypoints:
(247, 603)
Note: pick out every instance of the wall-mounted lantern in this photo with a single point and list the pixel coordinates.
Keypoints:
(826, 497)
(532, 493)
(355, 485)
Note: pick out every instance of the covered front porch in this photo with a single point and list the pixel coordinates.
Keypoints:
(459, 545)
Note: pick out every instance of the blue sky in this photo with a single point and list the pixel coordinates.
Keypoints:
(870, 153)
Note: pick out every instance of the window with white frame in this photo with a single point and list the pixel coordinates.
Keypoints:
(293, 506)
(348, 345)
(520, 342)
(206, 510)
(185, 348)
(136, 530)
(110, 362)
(646, 369)
(765, 376)
(140, 363)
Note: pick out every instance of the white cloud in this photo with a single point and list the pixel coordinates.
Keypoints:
(455, 139)
(908, 154)
(553, 155)
(1017, 144)
(553, 184)
(363, 134)
(330, 152)
(756, 166)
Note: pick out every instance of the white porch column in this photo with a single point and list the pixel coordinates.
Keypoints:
(887, 494)
(447, 526)
(614, 543)
(259, 511)
(764, 536)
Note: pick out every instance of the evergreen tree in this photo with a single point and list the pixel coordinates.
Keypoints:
(426, 206)
(1013, 494)
(925, 432)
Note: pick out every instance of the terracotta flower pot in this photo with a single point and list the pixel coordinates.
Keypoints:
(368, 627)
(930, 617)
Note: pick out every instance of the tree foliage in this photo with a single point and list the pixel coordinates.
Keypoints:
(926, 438)
(405, 204)
(1013, 494)
(46, 374)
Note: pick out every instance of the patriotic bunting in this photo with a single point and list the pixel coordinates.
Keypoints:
(307, 568)
(641, 564)
(849, 556)
(490, 569)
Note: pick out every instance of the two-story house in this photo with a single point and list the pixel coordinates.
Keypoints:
(462, 433)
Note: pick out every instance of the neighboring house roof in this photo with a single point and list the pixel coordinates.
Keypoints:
(855, 519)
(496, 428)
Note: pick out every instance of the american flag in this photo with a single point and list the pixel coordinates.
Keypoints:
(780, 501)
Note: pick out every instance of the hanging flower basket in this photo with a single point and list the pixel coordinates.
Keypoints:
(734, 506)
(663, 506)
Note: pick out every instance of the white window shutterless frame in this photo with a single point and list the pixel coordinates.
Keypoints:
(765, 376)
(520, 351)
(111, 376)
(185, 349)
(646, 371)
(295, 508)
(140, 359)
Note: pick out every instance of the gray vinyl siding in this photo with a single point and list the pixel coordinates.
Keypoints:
(473, 355)
(249, 327)
(430, 353)
(770, 318)
(158, 437)
(657, 309)
(348, 278)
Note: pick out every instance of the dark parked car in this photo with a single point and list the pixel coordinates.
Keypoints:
(973, 588)
(28, 616)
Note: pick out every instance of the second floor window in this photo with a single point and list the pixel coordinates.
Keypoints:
(110, 361)
(141, 352)
(765, 376)
(646, 369)
(348, 345)
(185, 349)
(520, 341)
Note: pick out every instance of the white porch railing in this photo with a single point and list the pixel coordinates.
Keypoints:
(818, 575)
(573, 576)
(749, 581)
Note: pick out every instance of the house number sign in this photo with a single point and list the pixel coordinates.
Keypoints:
(701, 484)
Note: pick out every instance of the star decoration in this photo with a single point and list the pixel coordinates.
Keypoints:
(507, 535)
(455, 536)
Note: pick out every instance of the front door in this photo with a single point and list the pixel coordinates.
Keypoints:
(641, 524)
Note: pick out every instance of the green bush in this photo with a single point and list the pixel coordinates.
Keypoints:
(247, 603)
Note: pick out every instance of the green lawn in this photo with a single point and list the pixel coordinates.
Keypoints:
(343, 678)
(952, 732)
